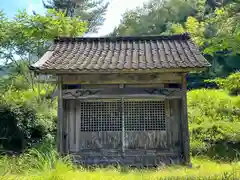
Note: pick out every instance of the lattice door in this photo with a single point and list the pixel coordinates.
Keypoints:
(145, 124)
(101, 116)
(101, 125)
(144, 115)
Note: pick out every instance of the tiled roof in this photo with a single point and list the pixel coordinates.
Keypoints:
(116, 54)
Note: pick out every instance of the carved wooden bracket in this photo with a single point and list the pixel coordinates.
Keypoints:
(162, 91)
(80, 92)
(122, 92)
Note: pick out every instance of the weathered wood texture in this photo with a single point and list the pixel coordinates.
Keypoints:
(102, 86)
(146, 140)
(184, 123)
(60, 125)
(174, 124)
(140, 160)
(122, 78)
(151, 147)
(122, 93)
(100, 140)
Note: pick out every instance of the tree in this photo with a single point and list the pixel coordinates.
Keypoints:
(91, 11)
(30, 34)
(154, 17)
(27, 116)
(166, 16)
(218, 35)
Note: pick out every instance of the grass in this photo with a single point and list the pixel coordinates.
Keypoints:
(202, 169)
(46, 164)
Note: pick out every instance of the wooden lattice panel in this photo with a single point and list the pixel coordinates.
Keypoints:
(101, 116)
(144, 115)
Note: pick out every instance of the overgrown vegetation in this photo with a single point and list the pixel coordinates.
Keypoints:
(45, 163)
(27, 112)
(25, 118)
(214, 118)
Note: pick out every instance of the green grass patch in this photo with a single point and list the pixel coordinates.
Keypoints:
(48, 165)
(45, 163)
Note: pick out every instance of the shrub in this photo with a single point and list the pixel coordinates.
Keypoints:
(231, 83)
(212, 106)
(214, 119)
(25, 119)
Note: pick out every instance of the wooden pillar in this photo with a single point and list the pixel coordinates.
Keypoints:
(184, 123)
(60, 133)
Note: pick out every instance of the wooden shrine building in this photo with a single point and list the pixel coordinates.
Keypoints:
(123, 99)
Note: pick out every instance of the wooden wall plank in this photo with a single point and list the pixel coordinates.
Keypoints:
(156, 85)
(146, 139)
(78, 123)
(168, 122)
(175, 116)
(71, 124)
(66, 124)
(101, 140)
(75, 124)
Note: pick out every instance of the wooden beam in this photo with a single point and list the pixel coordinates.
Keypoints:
(60, 133)
(152, 78)
(184, 123)
(169, 93)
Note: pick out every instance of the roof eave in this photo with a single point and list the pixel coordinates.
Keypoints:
(140, 71)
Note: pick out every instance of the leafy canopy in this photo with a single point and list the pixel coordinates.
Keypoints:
(29, 34)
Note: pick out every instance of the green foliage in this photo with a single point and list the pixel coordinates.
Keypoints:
(90, 11)
(25, 117)
(231, 83)
(196, 29)
(29, 34)
(217, 32)
(214, 119)
(38, 159)
(154, 17)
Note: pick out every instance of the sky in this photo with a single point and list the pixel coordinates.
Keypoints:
(113, 15)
